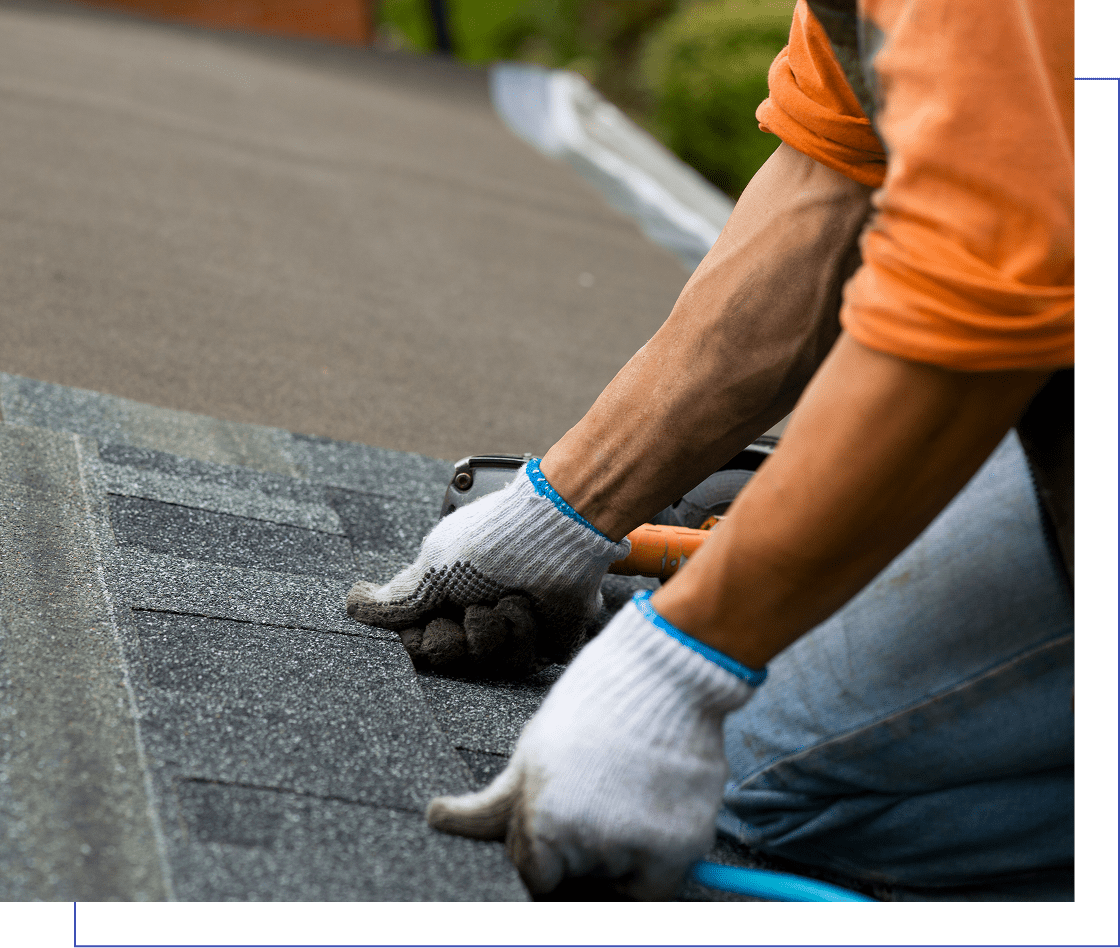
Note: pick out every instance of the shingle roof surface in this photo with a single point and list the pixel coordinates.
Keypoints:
(289, 751)
(284, 750)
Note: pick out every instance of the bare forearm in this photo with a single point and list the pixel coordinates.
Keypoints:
(749, 329)
(877, 447)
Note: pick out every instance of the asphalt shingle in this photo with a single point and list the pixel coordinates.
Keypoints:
(362, 467)
(74, 806)
(249, 661)
(155, 475)
(317, 713)
(189, 711)
(384, 531)
(486, 716)
(387, 752)
(224, 538)
(286, 750)
(122, 421)
(155, 485)
(172, 584)
(247, 843)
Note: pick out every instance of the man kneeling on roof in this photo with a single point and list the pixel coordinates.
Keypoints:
(868, 667)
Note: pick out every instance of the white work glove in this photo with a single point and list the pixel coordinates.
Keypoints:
(501, 587)
(621, 771)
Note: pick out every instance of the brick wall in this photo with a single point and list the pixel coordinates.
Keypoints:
(344, 21)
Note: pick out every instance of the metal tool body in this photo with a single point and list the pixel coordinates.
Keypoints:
(657, 549)
(479, 475)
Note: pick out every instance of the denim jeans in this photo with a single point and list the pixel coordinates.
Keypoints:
(923, 735)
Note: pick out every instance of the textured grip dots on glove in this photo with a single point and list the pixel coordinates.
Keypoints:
(514, 544)
(458, 583)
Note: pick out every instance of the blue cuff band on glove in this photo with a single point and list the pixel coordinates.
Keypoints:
(749, 675)
(545, 489)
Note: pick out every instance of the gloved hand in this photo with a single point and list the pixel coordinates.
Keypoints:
(620, 773)
(501, 587)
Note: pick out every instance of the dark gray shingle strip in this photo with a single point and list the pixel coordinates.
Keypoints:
(209, 473)
(173, 584)
(486, 716)
(254, 844)
(384, 750)
(112, 420)
(385, 532)
(310, 514)
(249, 661)
(262, 730)
(223, 538)
(376, 523)
(361, 467)
(74, 804)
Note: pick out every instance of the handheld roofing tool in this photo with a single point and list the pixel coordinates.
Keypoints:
(657, 549)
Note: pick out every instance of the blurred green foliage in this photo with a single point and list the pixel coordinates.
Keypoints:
(476, 26)
(692, 72)
(602, 39)
(705, 68)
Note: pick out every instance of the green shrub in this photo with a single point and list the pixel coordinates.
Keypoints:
(477, 26)
(705, 70)
(404, 24)
(602, 39)
(690, 71)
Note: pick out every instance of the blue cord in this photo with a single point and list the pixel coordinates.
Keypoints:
(773, 886)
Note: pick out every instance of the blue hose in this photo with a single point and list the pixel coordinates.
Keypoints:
(773, 886)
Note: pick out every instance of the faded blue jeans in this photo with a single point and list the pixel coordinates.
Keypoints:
(924, 734)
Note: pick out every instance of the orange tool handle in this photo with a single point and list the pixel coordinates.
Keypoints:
(658, 551)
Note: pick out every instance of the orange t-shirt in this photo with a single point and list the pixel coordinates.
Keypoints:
(968, 260)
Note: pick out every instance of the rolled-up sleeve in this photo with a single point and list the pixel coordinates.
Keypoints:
(812, 108)
(968, 259)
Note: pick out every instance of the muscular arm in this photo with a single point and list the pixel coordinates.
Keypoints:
(877, 447)
(750, 328)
